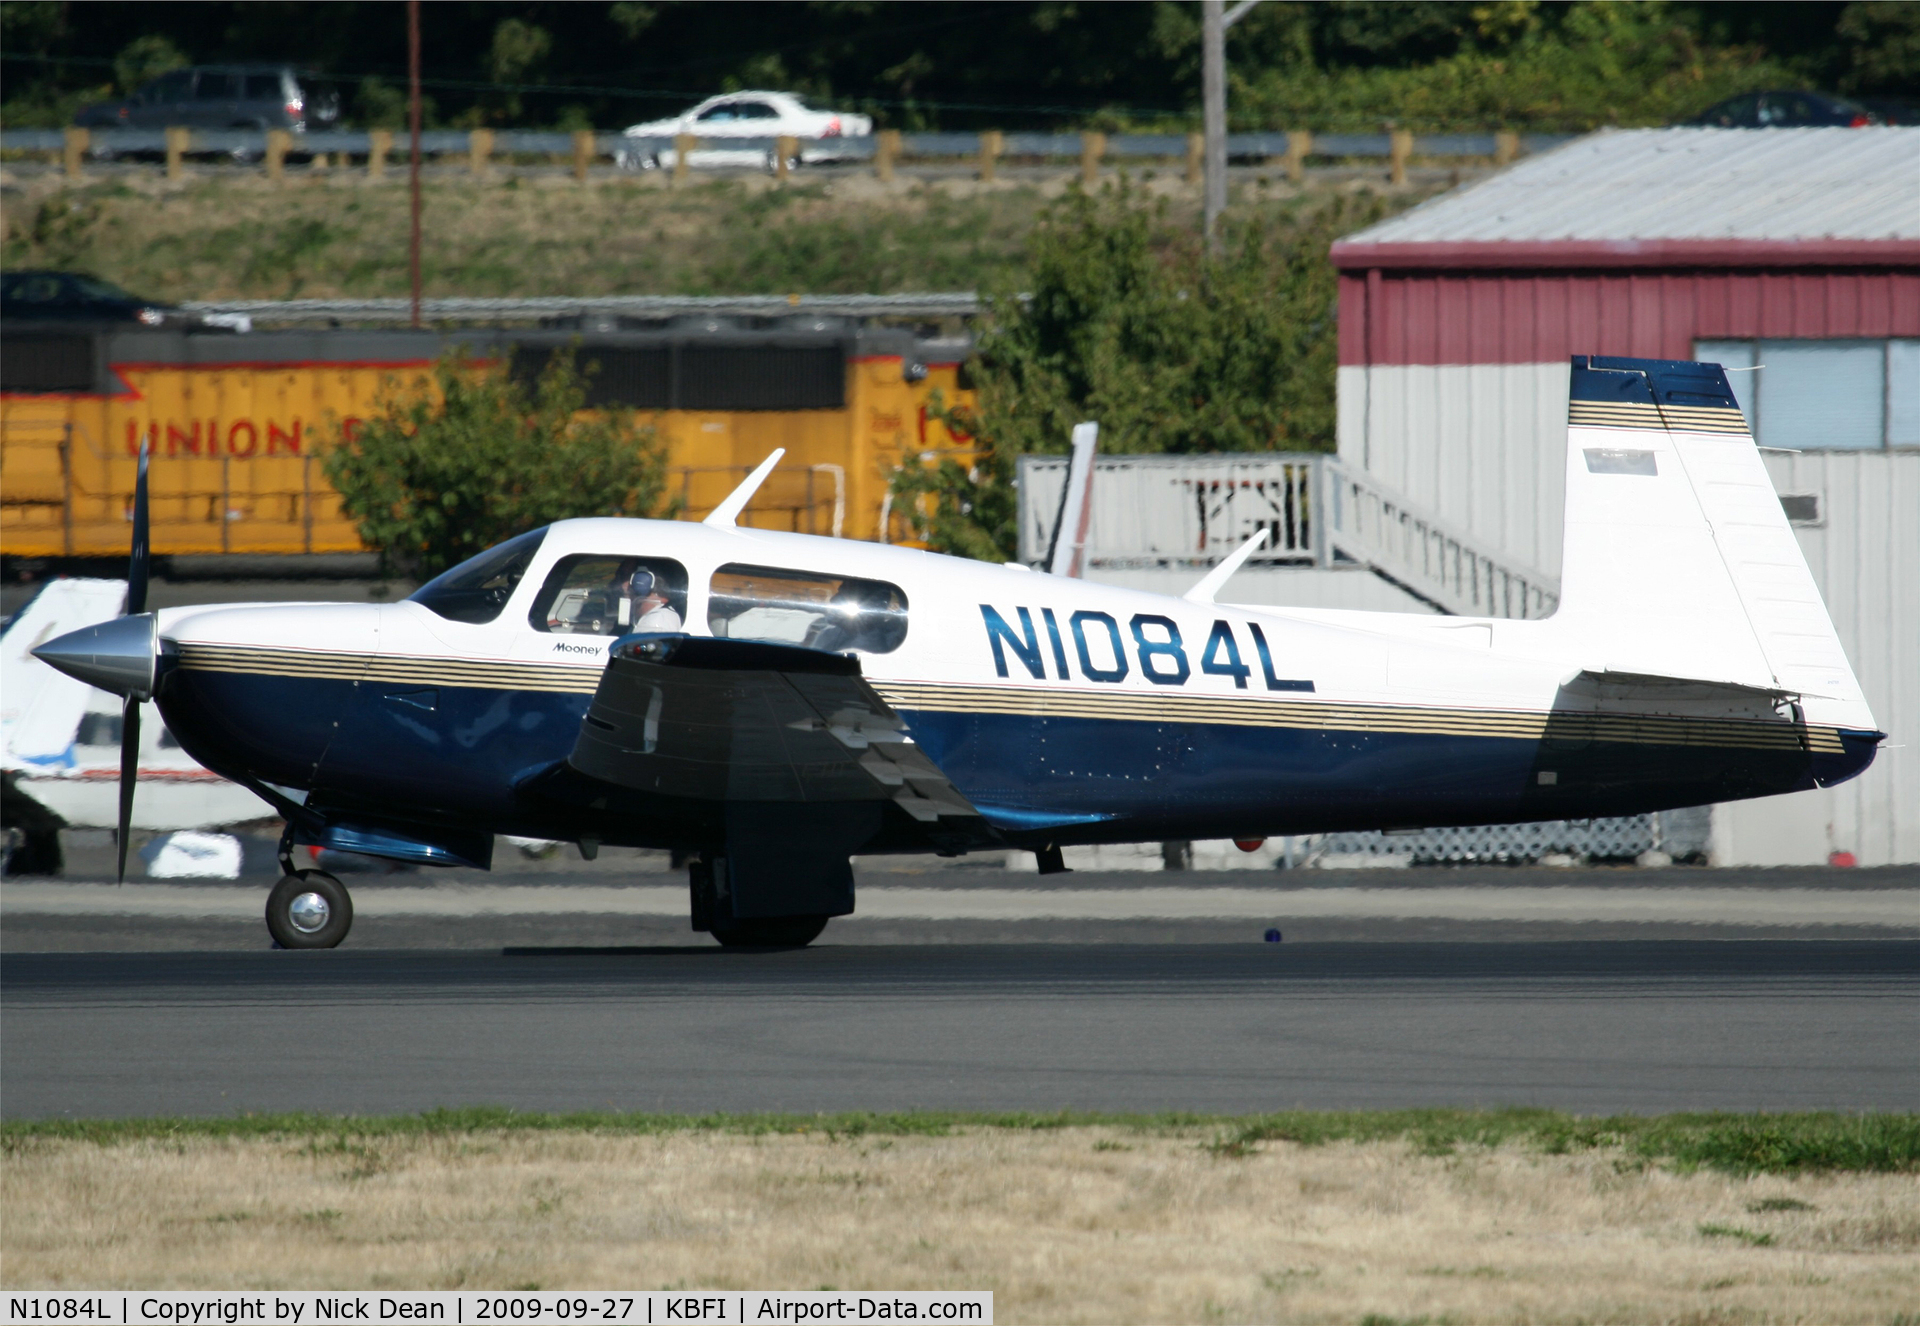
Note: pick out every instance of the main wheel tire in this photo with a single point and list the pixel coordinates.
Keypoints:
(769, 931)
(309, 909)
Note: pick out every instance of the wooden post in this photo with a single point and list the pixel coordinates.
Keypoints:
(1196, 156)
(683, 145)
(1397, 154)
(582, 153)
(885, 153)
(177, 139)
(279, 141)
(1506, 146)
(1299, 148)
(76, 151)
(1093, 147)
(785, 148)
(479, 148)
(379, 143)
(992, 144)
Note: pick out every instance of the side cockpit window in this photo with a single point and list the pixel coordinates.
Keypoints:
(819, 611)
(596, 594)
(476, 590)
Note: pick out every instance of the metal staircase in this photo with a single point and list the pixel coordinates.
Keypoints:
(1191, 511)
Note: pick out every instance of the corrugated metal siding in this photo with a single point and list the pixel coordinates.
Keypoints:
(1865, 556)
(1503, 318)
(1768, 184)
(1483, 446)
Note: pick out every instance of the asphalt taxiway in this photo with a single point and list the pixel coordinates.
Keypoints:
(1627, 1025)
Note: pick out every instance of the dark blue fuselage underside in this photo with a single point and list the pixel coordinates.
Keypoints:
(495, 761)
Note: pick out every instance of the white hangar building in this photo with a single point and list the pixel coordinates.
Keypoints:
(1790, 255)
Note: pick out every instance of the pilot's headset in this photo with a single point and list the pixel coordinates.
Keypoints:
(639, 585)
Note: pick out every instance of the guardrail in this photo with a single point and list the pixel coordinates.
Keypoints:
(379, 149)
(1192, 511)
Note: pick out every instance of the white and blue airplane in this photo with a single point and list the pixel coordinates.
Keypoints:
(772, 703)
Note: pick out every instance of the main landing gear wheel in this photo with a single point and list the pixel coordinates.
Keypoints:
(769, 931)
(309, 909)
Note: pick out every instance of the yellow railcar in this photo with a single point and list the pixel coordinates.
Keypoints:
(238, 424)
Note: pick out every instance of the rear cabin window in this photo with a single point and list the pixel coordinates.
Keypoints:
(476, 590)
(595, 594)
(810, 608)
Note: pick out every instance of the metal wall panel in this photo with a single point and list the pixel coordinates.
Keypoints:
(1484, 446)
(1520, 318)
(1865, 556)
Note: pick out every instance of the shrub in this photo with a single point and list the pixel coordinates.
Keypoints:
(449, 467)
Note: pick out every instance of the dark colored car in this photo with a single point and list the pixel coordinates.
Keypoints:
(1785, 110)
(226, 96)
(74, 297)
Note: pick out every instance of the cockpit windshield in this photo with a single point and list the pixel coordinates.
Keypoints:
(476, 590)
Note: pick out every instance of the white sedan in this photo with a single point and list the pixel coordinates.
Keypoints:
(743, 115)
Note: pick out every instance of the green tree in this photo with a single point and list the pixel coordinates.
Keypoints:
(144, 58)
(1126, 322)
(448, 468)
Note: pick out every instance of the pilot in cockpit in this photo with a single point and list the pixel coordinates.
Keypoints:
(650, 610)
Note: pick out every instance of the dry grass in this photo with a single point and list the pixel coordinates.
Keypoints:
(1084, 1223)
(331, 235)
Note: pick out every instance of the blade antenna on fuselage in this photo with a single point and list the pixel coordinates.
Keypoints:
(724, 515)
(1216, 580)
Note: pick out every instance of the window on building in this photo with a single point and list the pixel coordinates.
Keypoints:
(1838, 395)
(593, 594)
(819, 611)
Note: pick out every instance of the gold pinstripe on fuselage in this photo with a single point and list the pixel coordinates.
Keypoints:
(1659, 418)
(1328, 716)
(1114, 706)
(485, 674)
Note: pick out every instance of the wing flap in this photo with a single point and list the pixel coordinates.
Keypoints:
(727, 720)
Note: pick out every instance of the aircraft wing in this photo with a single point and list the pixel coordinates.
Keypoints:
(737, 720)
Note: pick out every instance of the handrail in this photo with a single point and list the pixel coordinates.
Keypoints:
(1192, 511)
(1366, 522)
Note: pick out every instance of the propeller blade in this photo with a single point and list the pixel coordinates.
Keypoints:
(129, 774)
(137, 563)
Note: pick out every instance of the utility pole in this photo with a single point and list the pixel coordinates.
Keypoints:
(413, 160)
(1215, 19)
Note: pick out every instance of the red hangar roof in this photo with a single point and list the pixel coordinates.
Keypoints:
(1670, 198)
(1642, 243)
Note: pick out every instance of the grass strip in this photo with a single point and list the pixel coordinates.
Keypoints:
(1729, 1143)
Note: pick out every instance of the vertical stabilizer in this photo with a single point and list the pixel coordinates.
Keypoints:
(1679, 560)
(40, 710)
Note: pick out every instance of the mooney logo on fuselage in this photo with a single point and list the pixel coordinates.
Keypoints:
(1100, 649)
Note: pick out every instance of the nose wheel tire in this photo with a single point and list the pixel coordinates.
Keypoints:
(769, 931)
(309, 909)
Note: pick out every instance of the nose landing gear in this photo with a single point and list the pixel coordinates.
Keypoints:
(307, 908)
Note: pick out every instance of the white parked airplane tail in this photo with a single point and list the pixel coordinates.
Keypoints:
(1679, 561)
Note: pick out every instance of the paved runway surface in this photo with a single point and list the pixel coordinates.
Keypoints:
(1618, 1026)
